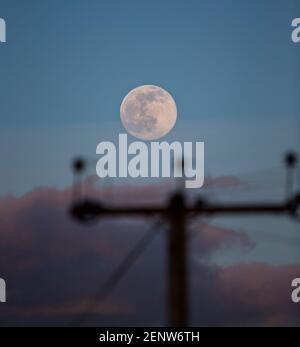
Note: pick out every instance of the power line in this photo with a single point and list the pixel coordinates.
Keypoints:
(128, 261)
(119, 272)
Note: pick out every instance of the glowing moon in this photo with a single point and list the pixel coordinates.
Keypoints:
(148, 112)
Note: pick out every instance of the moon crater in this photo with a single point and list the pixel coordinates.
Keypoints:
(148, 112)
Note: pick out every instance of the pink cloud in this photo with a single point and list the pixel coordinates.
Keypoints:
(53, 267)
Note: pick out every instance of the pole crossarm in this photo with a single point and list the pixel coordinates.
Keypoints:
(176, 212)
(88, 209)
(289, 207)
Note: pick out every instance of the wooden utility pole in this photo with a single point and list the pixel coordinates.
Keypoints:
(176, 213)
(177, 263)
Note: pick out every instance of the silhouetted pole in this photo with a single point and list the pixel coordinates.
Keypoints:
(290, 162)
(177, 263)
(86, 211)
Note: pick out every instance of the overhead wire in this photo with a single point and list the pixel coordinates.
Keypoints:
(119, 273)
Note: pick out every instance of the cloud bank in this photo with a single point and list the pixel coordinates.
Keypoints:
(53, 268)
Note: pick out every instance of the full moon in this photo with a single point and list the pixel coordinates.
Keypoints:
(148, 112)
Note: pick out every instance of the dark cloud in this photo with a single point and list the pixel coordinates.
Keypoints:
(53, 268)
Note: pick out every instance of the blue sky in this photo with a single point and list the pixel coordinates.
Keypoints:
(73, 61)
(230, 65)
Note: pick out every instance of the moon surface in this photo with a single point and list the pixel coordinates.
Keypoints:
(148, 112)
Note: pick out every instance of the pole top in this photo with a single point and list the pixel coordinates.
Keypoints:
(78, 165)
(291, 159)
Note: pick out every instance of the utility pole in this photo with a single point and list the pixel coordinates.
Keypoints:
(177, 262)
(177, 212)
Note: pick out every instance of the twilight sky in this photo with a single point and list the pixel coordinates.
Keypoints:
(231, 67)
(233, 71)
